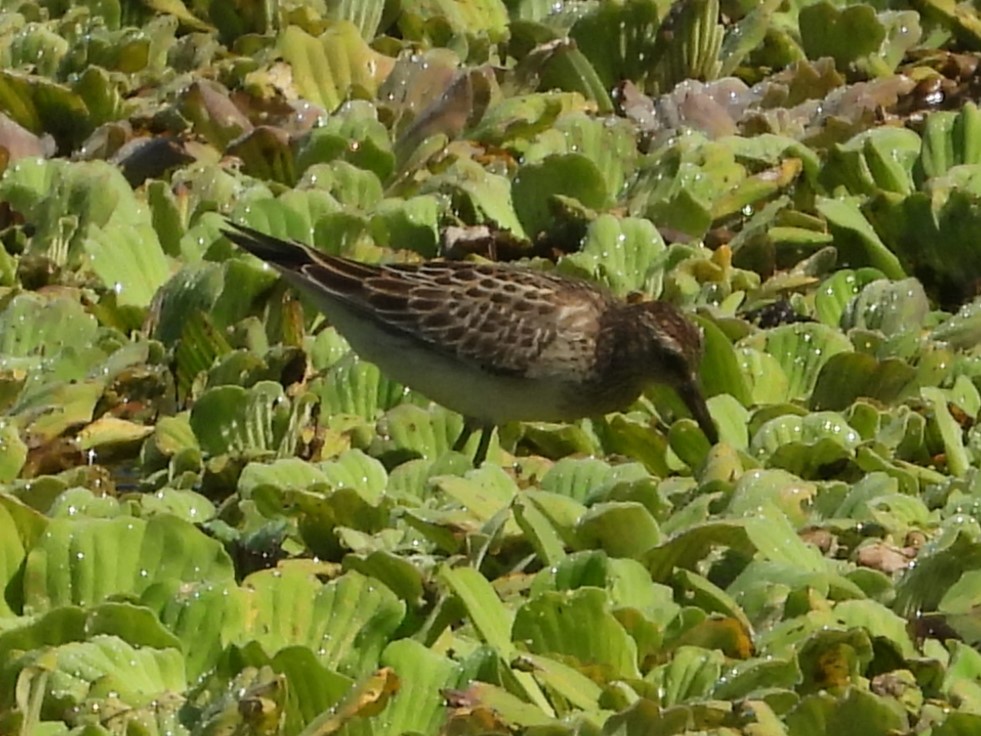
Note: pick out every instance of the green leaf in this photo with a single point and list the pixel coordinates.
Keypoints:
(849, 35)
(691, 673)
(786, 491)
(353, 386)
(484, 492)
(419, 706)
(354, 135)
(689, 45)
(485, 197)
(489, 616)
(42, 105)
(849, 376)
(801, 349)
(204, 616)
(327, 69)
(230, 419)
(53, 408)
(581, 626)
(347, 622)
(31, 325)
(84, 561)
(856, 239)
(890, 307)
(720, 372)
(412, 431)
(939, 565)
(949, 140)
(12, 554)
(838, 290)
(539, 531)
(105, 668)
(537, 184)
(616, 252)
(421, 20)
(312, 688)
(804, 445)
(958, 461)
(566, 681)
(364, 14)
(407, 224)
(621, 529)
(877, 160)
(617, 38)
(854, 712)
(13, 452)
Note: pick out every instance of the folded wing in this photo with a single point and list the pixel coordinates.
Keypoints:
(501, 318)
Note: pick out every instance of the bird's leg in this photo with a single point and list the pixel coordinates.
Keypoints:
(485, 437)
(469, 427)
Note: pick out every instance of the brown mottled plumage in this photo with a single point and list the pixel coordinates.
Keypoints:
(495, 342)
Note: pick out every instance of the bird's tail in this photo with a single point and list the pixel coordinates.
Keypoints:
(284, 254)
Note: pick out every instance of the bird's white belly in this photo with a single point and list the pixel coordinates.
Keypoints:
(457, 385)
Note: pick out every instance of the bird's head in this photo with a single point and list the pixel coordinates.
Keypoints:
(671, 353)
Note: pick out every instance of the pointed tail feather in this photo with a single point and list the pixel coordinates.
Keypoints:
(318, 274)
(284, 254)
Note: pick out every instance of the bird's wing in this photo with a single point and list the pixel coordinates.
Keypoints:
(504, 319)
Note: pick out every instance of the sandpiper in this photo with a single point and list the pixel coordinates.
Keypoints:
(496, 343)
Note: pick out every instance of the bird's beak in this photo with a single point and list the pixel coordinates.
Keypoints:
(692, 396)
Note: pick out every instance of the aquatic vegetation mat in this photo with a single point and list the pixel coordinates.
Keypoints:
(216, 519)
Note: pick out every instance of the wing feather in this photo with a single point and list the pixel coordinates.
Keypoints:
(501, 318)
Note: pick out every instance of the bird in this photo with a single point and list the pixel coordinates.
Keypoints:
(495, 342)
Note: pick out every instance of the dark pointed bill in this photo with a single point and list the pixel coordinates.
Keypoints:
(689, 393)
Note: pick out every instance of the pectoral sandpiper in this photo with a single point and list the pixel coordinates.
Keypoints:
(496, 343)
